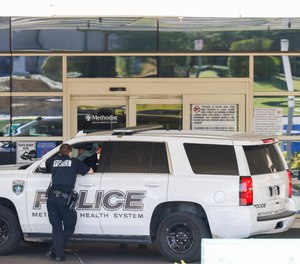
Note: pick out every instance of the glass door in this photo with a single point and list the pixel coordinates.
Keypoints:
(195, 112)
(91, 115)
(165, 112)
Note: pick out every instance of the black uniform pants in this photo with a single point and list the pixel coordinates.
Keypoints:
(63, 223)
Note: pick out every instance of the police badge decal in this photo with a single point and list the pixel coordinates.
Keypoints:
(18, 186)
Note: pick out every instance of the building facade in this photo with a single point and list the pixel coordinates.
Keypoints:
(62, 75)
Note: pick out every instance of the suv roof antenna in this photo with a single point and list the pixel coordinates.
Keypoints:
(135, 129)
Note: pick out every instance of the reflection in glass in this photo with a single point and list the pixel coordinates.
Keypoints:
(7, 152)
(169, 66)
(4, 73)
(37, 116)
(291, 152)
(37, 74)
(4, 34)
(168, 115)
(290, 107)
(203, 66)
(270, 74)
(168, 34)
(91, 118)
(109, 67)
(220, 34)
(84, 34)
(5, 129)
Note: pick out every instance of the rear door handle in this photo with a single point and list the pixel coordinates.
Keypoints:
(87, 184)
(153, 184)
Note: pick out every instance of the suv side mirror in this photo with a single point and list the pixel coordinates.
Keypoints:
(42, 167)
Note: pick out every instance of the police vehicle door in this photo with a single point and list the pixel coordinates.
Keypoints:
(36, 187)
(87, 186)
(134, 181)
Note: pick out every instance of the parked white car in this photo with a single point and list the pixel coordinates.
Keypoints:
(155, 186)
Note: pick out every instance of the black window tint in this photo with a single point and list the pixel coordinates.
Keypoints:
(263, 159)
(137, 157)
(159, 160)
(212, 159)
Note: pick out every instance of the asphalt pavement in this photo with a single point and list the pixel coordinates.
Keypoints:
(91, 253)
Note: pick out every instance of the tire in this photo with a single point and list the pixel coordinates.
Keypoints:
(10, 232)
(179, 237)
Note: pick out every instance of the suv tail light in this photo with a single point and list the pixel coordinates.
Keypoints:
(290, 186)
(246, 190)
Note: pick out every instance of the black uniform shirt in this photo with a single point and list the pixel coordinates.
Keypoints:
(64, 170)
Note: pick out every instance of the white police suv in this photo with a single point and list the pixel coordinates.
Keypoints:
(172, 188)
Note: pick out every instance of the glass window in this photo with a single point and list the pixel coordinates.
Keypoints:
(5, 68)
(37, 74)
(203, 66)
(287, 106)
(91, 118)
(89, 153)
(168, 115)
(277, 73)
(169, 66)
(110, 67)
(37, 116)
(7, 152)
(4, 34)
(212, 159)
(84, 34)
(5, 126)
(136, 157)
(221, 34)
(291, 153)
(263, 159)
(140, 34)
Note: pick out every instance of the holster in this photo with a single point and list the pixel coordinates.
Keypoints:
(72, 200)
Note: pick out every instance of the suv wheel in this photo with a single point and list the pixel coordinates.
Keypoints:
(10, 233)
(179, 237)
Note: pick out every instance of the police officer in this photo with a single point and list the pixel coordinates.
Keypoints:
(63, 219)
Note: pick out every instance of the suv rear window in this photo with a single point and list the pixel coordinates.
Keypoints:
(212, 159)
(263, 159)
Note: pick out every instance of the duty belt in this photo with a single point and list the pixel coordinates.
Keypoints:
(60, 194)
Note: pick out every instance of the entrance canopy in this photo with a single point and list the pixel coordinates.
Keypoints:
(156, 8)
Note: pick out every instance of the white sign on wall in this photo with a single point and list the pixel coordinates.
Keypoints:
(268, 121)
(214, 117)
(25, 152)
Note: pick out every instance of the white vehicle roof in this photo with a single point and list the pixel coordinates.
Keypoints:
(238, 138)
